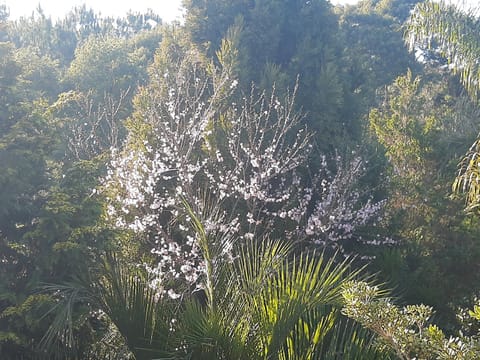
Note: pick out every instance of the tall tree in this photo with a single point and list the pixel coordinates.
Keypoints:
(454, 35)
(374, 53)
(417, 122)
(279, 42)
(105, 66)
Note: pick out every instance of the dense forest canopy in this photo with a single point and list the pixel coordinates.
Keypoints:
(267, 180)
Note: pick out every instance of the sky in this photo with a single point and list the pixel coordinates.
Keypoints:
(167, 9)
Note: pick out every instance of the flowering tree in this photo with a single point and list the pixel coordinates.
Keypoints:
(237, 160)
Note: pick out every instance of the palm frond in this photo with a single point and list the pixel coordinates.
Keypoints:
(59, 339)
(453, 33)
(350, 341)
(215, 245)
(135, 308)
(213, 334)
(308, 285)
(125, 297)
(292, 300)
(258, 260)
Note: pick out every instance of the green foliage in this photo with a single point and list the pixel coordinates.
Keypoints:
(39, 74)
(453, 34)
(266, 303)
(9, 96)
(468, 178)
(66, 91)
(60, 39)
(375, 53)
(90, 125)
(36, 32)
(398, 9)
(62, 239)
(403, 128)
(104, 65)
(48, 223)
(3, 23)
(422, 125)
(24, 149)
(280, 43)
(407, 331)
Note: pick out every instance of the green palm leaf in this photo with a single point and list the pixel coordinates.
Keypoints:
(125, 297)
(135, 309)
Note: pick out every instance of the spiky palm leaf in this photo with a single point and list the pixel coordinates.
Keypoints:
(349, 340)
(451, 32)
(135, 309)
(59, 340)
(124, 296)
(295, 308)
(268, 304)
(264, 303)
(214, 333)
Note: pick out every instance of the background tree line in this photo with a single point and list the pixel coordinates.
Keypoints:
(152, 176)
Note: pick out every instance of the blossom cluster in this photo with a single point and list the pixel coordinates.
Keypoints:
(237, 165)
(340, 209)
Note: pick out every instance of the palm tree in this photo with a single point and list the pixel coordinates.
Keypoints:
(454, 34)
(119, 296)
(267, 302)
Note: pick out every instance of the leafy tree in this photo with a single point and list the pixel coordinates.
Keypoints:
(9, 96)
(453, 34)
(47, 218)
(403, 128)
(278, 43)
(37, 31)
(104, 65)
(188, 138)
(135, 23)
(49, 227)
(59, 40)
(23, 181)
(47, 230)
(39, 74)
(3, 23)
(398, 9)
(103, 76)
(374, 53)
(208, 21)
(417, 124)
